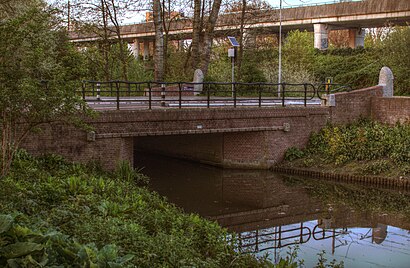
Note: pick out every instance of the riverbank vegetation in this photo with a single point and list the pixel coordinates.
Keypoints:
(56, 213)
(363, 148)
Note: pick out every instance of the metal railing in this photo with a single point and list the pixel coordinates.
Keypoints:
(282, 236)
(125, 94)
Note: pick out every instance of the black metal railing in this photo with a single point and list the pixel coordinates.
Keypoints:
(283, 236)
(126, 94)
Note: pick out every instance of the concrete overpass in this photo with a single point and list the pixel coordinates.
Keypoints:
(320, 19)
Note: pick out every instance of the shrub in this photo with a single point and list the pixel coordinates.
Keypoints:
(293, 153)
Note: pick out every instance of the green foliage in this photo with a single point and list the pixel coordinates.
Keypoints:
(322, 262)
(298, 58)
(96, 211)
(125, 172)
(377, 167)
(293, 153)
(397, 56)
(358, 68)
(38, 73)
(373, 147)
(364, 140)
(21, 246)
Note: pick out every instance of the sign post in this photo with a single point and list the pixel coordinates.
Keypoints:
(232, 55)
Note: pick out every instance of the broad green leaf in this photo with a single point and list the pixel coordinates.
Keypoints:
(6, 221)
(19, 249)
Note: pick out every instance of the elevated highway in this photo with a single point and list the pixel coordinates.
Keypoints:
(320, 19)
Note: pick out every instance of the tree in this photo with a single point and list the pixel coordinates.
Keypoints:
(159, 40)
(35, 75)
(397, 56)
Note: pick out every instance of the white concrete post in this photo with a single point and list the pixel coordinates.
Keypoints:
(136, 49)
(146, 50)
(321, 36)
(249, 39)
(356, 37)
(386, 80)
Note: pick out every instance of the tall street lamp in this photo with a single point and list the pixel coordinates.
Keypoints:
(280, 49)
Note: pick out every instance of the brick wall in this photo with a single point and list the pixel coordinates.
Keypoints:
(231, 137)
(247, 149)
(391, 110)
(353, 105)
(245, 146)
(72, 144)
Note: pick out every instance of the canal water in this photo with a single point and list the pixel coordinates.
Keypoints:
(272, 213)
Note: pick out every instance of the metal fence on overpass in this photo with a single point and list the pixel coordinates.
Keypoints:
(133, 95)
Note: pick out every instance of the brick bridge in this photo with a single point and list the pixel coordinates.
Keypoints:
(229, 137)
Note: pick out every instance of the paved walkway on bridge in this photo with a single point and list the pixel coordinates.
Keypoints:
(131, 103)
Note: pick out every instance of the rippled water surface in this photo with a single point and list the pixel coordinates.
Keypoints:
(271, 212)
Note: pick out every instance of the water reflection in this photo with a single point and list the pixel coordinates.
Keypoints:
(269, 214)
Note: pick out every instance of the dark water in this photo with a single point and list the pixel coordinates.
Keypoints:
(271, 212)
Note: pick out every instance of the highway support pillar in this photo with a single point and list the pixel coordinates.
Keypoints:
(136, 49)
(321, 36)
(356, 37)
(146, 49)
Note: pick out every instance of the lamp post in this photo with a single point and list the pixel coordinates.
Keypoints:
(280, 48)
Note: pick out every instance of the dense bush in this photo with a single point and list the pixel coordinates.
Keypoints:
(364, 140)
(363, 147)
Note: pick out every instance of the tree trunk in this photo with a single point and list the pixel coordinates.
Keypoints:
(105, 42)
(159, 42)
(208, 36)
(123, 56)
(241, 39)
(196, 35)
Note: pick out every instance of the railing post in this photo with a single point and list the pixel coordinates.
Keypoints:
(118, 94)
(283, 94)
(163, 95)
(110, 88)
(98, 91)
(149, 96)
(208, 96)
(234, 94)
(93, 89)
(305, 100)
(180, 95)
(260, 95)
(83, 90)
